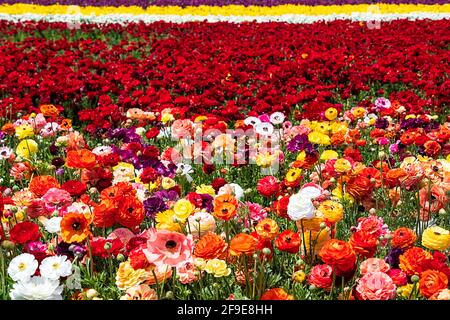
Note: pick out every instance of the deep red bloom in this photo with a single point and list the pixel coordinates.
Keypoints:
(268, 186)
(288, 241)
(24, 232)
(74, 187)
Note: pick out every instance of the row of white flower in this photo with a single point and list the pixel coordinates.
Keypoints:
(288, 18)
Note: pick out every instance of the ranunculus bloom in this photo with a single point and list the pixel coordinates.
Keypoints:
(268, 186)
(300, 204)
(56, 198)
(81, 159)
(225, 206)
(338, 254)
(443, 294)
(131, 212)
(267, 228)
(432, 281)
(411, 259)
(105, 214)
(403, 238)
(436, 238)
(376, 286)
(39, 185)
(24, 232)
(276, 294)
(364, 243)
(74, 228)
(210, 246)
(74, 187)
(288, 241)
(168, 247)
(372, 265)
(243, 243)
(321, 276)
(398, 276)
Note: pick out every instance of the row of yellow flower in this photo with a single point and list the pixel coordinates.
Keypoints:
(230, 10)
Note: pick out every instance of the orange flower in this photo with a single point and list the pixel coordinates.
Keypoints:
(358, 187)
(393, 176)
(66, 124)
(41, 184)
(131, 212)
(83, 158)
(8, 128)
(276, 294)
(267, 228)
(105, 214)
(338, 254)
(224, 210)
(49, 110)
(74, 228)
(121, 189)
(243, 243)
(225, 198)
(364, 243)
(337, 139)
(210, 246)
(432, 281)
(403, 238)
(411, 259)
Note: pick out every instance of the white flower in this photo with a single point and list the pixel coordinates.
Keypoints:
(201, 223)
(53, 225)
(233, 189)
(310, 192)
(277, 118)
(264, 128)
(36, 288)
(55, 267)
(102, 150)
(252, 121)
(300, 207)
(5, 152)
(22, 267)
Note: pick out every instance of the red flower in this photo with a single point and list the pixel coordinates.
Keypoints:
(24, 232)
(364, 243)
(268, 186)
(74, 187)
(152, 133)
(105, 248)
(288, 241)
(131, 212)
(149, 175)
(218, 183)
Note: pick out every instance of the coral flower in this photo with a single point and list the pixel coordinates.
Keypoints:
(210, 246)
(321, 276)
(105, 214)
(403, 238)
(74, 228)
(364, 243)
(168, 247)
(338, 254)
(81, 159)
(243, 243)
(41, 184)
(224, 210)
(140, 292)
(432, 281)
(276, 294)
(372, 265)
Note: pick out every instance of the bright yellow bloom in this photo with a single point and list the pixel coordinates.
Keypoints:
(27, 148)
(337, 192)
(436, 238)
(167, 220)
(339, 127)
(329, 154)
(127, 277)
(299, 276)
(217, 267)
(293, 174)
(183, 209)
(24, 131)
(205, 189)
(267, 228)
(266, 159)
(200, 118)
(405, 291)
(332, 211)
(342, 165)
(319, 138)
(167, 117)
(331, 113)
(359, 112)
(301, 156)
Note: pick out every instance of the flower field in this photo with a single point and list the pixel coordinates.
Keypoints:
(224, 150)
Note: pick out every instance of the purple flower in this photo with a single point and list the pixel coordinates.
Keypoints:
(153, 205)
(167, 195)
(381, 123)
(393, 257)
(299, 142)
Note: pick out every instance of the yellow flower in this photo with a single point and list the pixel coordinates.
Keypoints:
(26, 148)
(205, 189)
(448, 158)
(200, 118)
(299, 276)
(337, 192)
(436, 238)
(322, 127)
(339, 127)
(167, 183)
(342, 165)
(265, 159)
(183, 209)
(332, 211)
(166, 220)
(293, 174)
(167, 117)
(127, 277)
(359, 112)
(301, 156)
(405, 291)
(319, 138)
(329, 154)
(24, 131)
(217, 267)
(200, 263)
(331, 113)
(267, 228)
(315, 240)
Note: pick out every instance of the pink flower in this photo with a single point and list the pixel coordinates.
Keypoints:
(56, 198)
(373, 265)
(182, 128)
(376, 286)
(187, 272)
(168, 247)
(383, 141)
(256, 213)
(321, 276)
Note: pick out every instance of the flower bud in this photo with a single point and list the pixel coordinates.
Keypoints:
(372, 211)
(8, 245)
(169, 295)
(415, 278)
(120, 257)
(14, 209)
(266, 251)
(91, 293)
(107, 246)
(323, 225)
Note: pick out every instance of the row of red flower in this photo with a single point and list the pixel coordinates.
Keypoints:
(222, 69)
